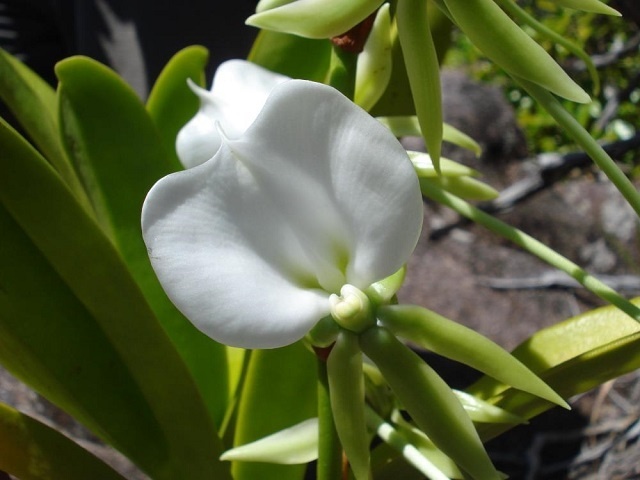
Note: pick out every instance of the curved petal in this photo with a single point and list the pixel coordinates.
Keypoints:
(340, 177)
(237, 95)
(315, 194)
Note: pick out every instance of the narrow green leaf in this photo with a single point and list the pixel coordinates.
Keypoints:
(294, 445)
(448, 168)
(33, 102)
(346, 390)
(457, 342)
(290, 55)
(279, 391)
(604, 327)
(402, 126)
(171, 103)
(429, 401)
(70, 241)
(504, 42)
(594, 6)
(117, 149)
(463, 187)
(423, 69)
(34, 451)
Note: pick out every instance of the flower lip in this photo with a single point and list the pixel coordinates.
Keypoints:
(313, 195)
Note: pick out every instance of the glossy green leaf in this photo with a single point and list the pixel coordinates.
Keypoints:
(430, 402)
(173, 436)
(117, 149)
(572, 356)
(294, 445)
(171, 103)
(34, 451)
(346, 390)
(279, 391)
(483, 412)
(462, 344)
(504, 42)
(33, 103)
(293, 56)
(423, 69)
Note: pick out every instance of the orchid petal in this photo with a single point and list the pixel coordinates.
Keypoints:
(315, 194)
(238, 92)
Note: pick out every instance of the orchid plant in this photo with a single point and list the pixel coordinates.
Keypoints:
(250, 324)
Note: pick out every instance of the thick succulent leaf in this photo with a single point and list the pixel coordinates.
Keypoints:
(346, 391)
(293, 56)
(572, 357)
(314, 18)
(423, 69)
(293, 445)
(279, 390)
(34, 451)
(116, 147)
(504, 42)
(429, 401)
(457, 342)
(448, 168)
(33, 103)
(171, 103)
(176, 429)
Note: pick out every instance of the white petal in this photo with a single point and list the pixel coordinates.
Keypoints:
(340, 177)
(219, 250)
(237, 95)
(315, 194)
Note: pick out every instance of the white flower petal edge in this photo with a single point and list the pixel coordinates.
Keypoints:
(315, 195)
(237, 95)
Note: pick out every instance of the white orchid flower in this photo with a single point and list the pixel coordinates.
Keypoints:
(237, 94)
(315, 195)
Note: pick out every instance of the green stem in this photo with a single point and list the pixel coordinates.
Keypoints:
(342, 71)
(531, 245)
(329, 465)
(585, 140)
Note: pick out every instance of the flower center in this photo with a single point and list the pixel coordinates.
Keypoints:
(352, 309)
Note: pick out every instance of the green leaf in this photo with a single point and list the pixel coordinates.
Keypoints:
(279, 391)
(33, 102)
(430, 402)
(457, 342)
(173, 436)
(293, 56)
(594, 6)
(294, 445)
(117, 149)
(34, 451)
(346, 391)
(572, 357)
(171, 102)
(314, 18)
(462, 186)
(504, 42)
(423, 69)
